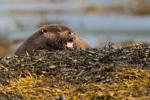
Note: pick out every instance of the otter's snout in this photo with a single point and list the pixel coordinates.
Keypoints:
(72, 37)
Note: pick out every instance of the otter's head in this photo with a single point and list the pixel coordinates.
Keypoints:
(58, 36)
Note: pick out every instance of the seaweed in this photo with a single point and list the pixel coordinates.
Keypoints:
(109, 73)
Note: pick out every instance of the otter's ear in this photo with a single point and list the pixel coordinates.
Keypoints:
(44, 30)
(39, 32)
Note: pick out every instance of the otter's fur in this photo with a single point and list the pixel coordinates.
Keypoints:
(51, 37)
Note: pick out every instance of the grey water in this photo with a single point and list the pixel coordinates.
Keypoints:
(94, 28)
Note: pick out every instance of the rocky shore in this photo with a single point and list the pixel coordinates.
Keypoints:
(115, 71)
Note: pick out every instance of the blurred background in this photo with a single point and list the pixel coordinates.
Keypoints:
(96, 21)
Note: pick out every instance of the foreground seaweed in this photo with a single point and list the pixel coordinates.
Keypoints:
(111, 72)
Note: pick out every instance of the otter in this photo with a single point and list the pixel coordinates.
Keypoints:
(52, 37)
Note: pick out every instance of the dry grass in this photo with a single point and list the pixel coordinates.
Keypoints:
(135, 87)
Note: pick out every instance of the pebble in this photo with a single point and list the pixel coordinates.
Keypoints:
(52, 66)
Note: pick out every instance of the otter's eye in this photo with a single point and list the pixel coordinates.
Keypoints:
(71, 33)
(44, 30)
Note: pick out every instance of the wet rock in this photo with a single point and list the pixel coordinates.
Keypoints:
(78, 65)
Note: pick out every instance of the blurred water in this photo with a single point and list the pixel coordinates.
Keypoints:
(95, 28)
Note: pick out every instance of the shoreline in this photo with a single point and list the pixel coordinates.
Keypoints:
(92, 73)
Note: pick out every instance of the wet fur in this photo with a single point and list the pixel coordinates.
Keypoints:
(50, 37)
(80, 43)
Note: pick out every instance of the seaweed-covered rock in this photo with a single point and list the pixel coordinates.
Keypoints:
(112, 64)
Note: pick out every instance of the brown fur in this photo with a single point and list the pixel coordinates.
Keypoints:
(80, 43)
(51, 37)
